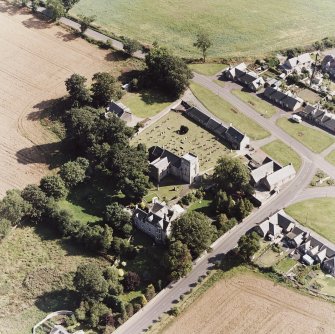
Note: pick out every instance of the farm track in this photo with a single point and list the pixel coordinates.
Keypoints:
(35, 59)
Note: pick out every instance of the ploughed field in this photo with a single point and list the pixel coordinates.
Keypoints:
(238, 28)
(248, 304)
(35, 59)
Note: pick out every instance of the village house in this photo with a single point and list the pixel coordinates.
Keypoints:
(297, 64)
(120, 110)
(58, 329)
(157, 221)
(285, 100)
(164, 162)
(321, 117)
(328, 65)
(230, 134)
(247, 78)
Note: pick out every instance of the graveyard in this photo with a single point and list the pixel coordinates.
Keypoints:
(165, 133)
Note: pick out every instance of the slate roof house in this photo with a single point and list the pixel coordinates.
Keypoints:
(120, 110)
(247, 78)
(285, 100)
(157, 221)
(296, 237)
(235, 138)
(328, 65)
(320, 116)
(164, 162)
(297, 64)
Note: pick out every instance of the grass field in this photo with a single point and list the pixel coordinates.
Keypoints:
(77, 211)
(284, 265)
(238, 27)
(282, 153)
(314, 139)
(197, 140)
(145, 104)
(262, 107)
(207, 69)
(225, 111)
(36, 277)
(331, 157)
(317, 214)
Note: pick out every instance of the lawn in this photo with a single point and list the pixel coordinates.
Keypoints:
(225, 111)
(237, 28)
(284, 265)
(197, 140)
(309, 96)
(146, 103)
(331, 157)
(77, 211)
(207, 69)
(262, 107)
(36, 277)
(317, 214)
(282, 153)
(327, 283)
(269, 258)
(314, 139)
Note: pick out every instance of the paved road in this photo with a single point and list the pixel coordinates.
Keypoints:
(296, 190)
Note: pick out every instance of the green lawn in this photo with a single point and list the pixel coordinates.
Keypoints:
(317, 214)
(314, 139)
(36, 277)
(309, 96)
(237, 28)
(146, 104)
(225, 111)
(197, 140)
(282, 153)
(207, 69)
(327, 283)
(284, 265)
(262, 107)
(269, 258)
(77, 211)
(331, 157)
(204, 206)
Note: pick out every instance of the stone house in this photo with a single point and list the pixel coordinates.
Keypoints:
(297, 64)
(285, 100)
(321, 117)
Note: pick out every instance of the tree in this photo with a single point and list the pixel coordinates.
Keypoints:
(167, 71)
(53, 186)
(68, 4)
(150, 292)
(5, 227)
(13, 207)
(225, 224)
(79, 94)
(243, 208)
(104, 89)
(85, 22)
(98, 314)
(231, 175)
(131, 281)
(116, 217)
(73, 172)
(248, 245)
(56, 9)
(195, 230)
(203, 43)
(90, 283)
(38, 201)
(130, 46)
(179, 260)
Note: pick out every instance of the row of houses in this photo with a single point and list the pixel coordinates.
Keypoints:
(311, 248)
(236, 139)
(163, 162)
(320, 117)
(241, 74)
(284, 99)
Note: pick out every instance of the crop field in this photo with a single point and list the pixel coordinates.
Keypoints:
(35, 59)
(248, 303)
(197, 140)
(235, 26)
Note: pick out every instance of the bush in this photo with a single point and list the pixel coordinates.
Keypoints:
(53, 186)
(174, 311)
(5, 226)
(150, 292)
(131, 281)
(183, 130)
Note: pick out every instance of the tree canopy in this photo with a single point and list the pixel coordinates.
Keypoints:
(179, 260)
(79, 95)
(203, 43)
(53, 186)
(167, 71)
(194, 230)
(130, 46)
(248, 245)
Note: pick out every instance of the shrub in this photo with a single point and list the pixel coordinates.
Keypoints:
(53, 186)
(183, 130)
(174, 311)
(131, 281)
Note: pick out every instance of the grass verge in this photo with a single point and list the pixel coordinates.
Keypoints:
(282, 153)
(314, 139)
(331, 157)
(317, 214)
(207, 69)
(262, 107)
(225, 111)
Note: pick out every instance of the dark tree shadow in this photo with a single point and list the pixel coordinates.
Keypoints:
(67, 37)
(38, 22)
(12, 10)
(57, 300)
(127, 76)
(116, 55)
(53, 109)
